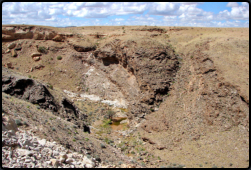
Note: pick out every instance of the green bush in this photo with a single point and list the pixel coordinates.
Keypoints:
(110, 114)
(59, 57)
(42, 49)
(50, 86)
(53, 129)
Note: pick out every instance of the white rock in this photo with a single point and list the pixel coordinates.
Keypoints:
(61, 160)
(88, 166)
(55, 153)
(27, 161)
(25, 152)
(54, 162)
(69, 160)
(42, 142)
(87, 161)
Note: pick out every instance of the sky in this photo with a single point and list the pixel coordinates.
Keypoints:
(62, 14)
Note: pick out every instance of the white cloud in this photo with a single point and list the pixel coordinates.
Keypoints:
(232, 4)
(163, 8)
(119, 19)
(237, 12)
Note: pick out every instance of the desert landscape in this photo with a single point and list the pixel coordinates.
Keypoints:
(125, 96)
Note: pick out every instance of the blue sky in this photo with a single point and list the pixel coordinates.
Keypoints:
(60, 14)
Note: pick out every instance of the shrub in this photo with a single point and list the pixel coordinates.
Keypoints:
(53, 129)
(110, 114)
(132, 152)
(50, 86)
(102, 145)
(18, 122)
(59, 57)
(29, 76)
(42, 49)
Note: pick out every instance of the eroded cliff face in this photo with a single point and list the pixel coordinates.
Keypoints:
(135, 76)
(11, 33)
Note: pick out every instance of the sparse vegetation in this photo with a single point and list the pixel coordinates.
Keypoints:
(59, 57)
(42, 49)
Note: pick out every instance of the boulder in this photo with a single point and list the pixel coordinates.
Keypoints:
(13, 53)
(11, 45)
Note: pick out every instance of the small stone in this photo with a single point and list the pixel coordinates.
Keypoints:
(42, 142)
(63, 155)
(11, 45)
(27, 161)
(35, 54)
(69, 160)
(13, 53)
(88, 166)
(55, 153)
(54, 162)
(8, 65)
(25, 152)
(61, 160)
(36, 58)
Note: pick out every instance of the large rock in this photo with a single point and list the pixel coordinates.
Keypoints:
(58, 38)
(27, 89)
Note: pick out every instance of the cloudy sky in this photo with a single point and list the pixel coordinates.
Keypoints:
(60, 14)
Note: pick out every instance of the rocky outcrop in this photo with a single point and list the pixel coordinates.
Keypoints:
(37, 93)
(11, 33)
(80, 48)
(27, 89)
(142, 75)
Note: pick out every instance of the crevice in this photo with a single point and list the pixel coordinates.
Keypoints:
(208, 71)
(243, 99)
